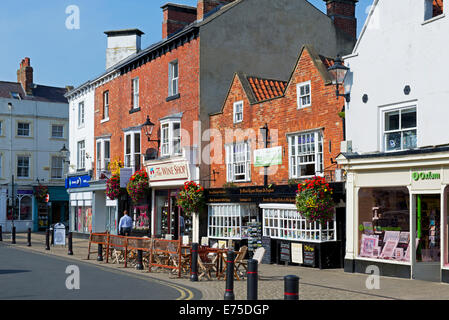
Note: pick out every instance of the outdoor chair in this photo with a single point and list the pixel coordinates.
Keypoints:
(118, 255)
(205, 269)
(240, 262)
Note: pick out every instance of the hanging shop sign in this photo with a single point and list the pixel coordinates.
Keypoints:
(168, 171)
(125, 175)
(268, 157)
(77, 182)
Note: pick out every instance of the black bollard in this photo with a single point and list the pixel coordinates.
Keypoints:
(252, 279)
(139, 265)
(100, 252)
(1, 233)
(13, 235)
(70, 244)
(29, 237)
(291, 288)
(52, 236)
(229, 294)
(194, 266)
(47, 239)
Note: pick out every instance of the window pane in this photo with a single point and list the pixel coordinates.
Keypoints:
(393, 141)
(408, 118)
(409, 139)
(392, 121)
(137, 143)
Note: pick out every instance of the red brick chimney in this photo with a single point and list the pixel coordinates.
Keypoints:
(342, 12)
(176, 17)
(205, 6)
(25, 76)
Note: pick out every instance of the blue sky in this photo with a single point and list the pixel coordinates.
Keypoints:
(60, 57)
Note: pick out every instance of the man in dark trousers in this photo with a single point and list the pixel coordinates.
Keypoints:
(125, 224)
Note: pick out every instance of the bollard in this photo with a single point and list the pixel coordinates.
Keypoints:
(29, 237)
(13, 235)
(1, 233)
(252, 277)
(291, 287)
(47, 239)
(70, 244)
(100, 252)
(194, 266)
(139, 265)
(229, 294)
(52, 233)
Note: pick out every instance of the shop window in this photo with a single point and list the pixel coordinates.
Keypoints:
(238, 162)
(384, 223)
(400, 129)
(82, 216)
(230, 221)
(306, 154)
(25, 208)
(288, 224)
(428, 228)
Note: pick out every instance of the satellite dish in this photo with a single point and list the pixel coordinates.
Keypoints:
(151, 154)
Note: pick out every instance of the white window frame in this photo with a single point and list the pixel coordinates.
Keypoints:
(169, 139)
(1, 128)
(299, 86)
(400, 130)
(53, 132)
(296, 151)
(106, 105)
(135, 93)
(23, 129)
(1, 166)
(81, 155)
(133, 155)
(244, 167)
(238, 114)
(102, 160)
(172, 79)
(53, 168)
(81, 111)
(23, 167)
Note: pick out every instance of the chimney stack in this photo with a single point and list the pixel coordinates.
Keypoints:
(122, 44)
(205, 6)
(176, 17)
(342, 12)
(25, 76)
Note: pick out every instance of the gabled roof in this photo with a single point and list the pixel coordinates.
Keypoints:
(40, 93)
(266, 89)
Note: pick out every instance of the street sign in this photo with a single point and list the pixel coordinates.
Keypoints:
(77, 182)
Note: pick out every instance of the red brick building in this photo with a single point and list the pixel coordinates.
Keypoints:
(305, 129)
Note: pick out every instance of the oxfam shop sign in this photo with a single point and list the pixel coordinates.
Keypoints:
(417, 176)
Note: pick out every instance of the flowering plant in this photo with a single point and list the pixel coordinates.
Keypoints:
(41, 193)
(138, 185)
(191, 198)
(113, 187)
(314, 200)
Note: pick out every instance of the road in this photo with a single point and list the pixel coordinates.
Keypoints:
(35, 276)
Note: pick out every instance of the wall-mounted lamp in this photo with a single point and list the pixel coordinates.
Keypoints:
(65, 154)
(338, 73)
(9, 106)
(148, 127)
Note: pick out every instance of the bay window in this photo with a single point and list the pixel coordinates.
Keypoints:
(132, 150)
(306, 154)
(103, 155)
(171, 138)
(238, 162)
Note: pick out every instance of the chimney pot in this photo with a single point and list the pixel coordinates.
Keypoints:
(122, 44)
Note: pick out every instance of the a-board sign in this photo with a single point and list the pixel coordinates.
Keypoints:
(59, 234)
(309, 257)
(285, 251)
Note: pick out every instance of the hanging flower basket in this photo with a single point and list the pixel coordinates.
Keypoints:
(314, 200)
(41, 193)
(138, 186)
(191, 198)
(113, 190)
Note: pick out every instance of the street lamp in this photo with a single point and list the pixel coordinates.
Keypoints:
(338, 73)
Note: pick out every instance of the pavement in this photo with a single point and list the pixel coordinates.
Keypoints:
(314, 284)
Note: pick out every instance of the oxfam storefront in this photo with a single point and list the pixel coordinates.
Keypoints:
(397, 206)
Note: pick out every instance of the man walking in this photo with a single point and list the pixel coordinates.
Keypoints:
(125, 224)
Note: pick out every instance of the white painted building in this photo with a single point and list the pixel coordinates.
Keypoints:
(397, 148)
(33, 129)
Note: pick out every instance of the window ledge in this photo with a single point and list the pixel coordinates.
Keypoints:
(174, 97)
(134, 110)
(441, 16)
(104, 120)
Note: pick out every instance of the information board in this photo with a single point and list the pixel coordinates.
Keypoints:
(297, 254)
(285, 251)
(309, 255)
(266, 243)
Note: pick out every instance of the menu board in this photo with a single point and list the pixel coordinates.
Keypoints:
(297, 253)
(285, 251)
(309, 256)
(266, 243)
(254, 235)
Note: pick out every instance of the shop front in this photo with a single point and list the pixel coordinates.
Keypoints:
(397, 214)
(267, 217)
(166, 178)
(22, 216)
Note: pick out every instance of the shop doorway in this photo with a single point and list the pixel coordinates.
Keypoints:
(427, 264)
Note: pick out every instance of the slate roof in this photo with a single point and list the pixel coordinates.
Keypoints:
(40, 93)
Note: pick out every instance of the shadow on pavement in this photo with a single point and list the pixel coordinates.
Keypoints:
(13, 271)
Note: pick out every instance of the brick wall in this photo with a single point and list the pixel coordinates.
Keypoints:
(153, 92)
(281, 115)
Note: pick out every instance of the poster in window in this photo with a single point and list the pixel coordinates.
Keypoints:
(392, 235)
(398, 253)
(368, 245)
(388, 250)
(296, 253)
(368, 228)
(404, 237)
